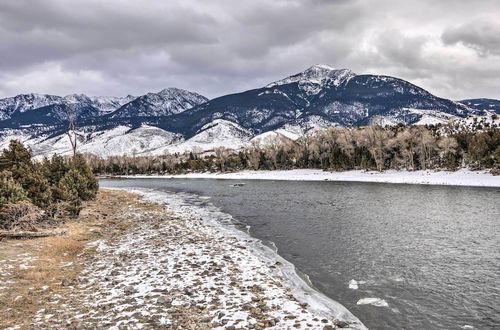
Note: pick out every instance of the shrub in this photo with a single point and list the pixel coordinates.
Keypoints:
(10, 191)
(51, 190)
(90, 185)
(22, 215)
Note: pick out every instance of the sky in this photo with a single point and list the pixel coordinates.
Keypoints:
(120, 47)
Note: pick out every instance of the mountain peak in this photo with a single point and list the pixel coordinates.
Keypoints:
(315, 78)
(166, 102)
(321, 67)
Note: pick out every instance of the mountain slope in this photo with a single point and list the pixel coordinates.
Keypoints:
(25, 102)
(336, 96)
(167, 102)
(37, 109)
(489, 105)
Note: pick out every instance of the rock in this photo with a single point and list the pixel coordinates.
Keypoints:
(342, 324)
(164, 300)
(129, 289)
(66, 282)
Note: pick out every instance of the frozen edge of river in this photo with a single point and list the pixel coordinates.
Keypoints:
(458, 178)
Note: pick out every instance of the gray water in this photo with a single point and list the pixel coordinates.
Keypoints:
(431, 252)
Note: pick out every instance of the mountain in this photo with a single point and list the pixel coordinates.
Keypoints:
(165, 103)
(175, 120)
(43, 109)
(25, 102)
(489, 105)
(104, 104)
(320, 93)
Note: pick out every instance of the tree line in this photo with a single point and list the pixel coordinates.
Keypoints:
(335, 149)
(39, 194)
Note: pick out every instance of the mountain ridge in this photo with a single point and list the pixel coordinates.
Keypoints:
(315, 98)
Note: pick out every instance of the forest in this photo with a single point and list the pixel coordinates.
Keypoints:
(429, 147)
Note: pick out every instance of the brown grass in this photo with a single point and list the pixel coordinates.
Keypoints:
(34, 287)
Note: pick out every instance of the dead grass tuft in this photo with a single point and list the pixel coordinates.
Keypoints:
(63, 247)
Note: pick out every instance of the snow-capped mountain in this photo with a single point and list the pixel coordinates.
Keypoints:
(335, 96)
(167, 102)
(25, 102)
(105, 104)
(176, 120)
(29, 109)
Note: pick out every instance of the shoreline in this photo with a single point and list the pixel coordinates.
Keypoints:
(149, 259)
(317, 303)
(462, 177)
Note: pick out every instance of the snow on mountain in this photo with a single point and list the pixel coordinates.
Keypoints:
(317, 77)
(271, 137)
(119, 141)
(473, 124)
(24, 102)
(83, 105)
(164, 103)
(123, 140)
(487, 105)
(219, 133)
(425, 117)
(105, 104)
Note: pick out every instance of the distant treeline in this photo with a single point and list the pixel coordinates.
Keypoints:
(337, 149)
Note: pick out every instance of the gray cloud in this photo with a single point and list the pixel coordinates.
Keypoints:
(221, 46)
(480, 35)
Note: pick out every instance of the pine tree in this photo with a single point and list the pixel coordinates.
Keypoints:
(10, 191)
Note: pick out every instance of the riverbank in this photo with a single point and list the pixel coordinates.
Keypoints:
(457, 178)
(156, 262)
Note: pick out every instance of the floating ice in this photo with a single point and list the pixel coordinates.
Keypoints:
(373, 301)
(353, 284)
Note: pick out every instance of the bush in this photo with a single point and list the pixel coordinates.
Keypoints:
(89, 184)
(51, 190)
(22, 215)
(10, 191)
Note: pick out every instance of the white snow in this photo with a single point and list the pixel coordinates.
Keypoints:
(458, 178)
(314, 79)
(218, 133)
(166, 102)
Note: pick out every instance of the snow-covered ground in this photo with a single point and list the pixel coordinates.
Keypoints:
(458, 178)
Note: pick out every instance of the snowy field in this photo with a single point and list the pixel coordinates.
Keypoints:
(458, 178)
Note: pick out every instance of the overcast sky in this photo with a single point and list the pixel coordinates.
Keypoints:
(120, 47)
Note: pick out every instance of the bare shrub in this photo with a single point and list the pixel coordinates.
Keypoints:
(20, 216)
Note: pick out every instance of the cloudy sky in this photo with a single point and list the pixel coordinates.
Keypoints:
(119, 47)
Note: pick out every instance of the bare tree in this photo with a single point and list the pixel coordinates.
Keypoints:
(221, 154)
(72, 133)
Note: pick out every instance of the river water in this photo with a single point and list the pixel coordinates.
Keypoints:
(430, 255)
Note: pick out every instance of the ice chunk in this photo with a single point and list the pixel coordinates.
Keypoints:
(373, 301)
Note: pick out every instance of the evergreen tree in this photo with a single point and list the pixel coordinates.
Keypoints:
(10, 191)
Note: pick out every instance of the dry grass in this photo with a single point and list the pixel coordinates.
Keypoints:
(58, 258)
